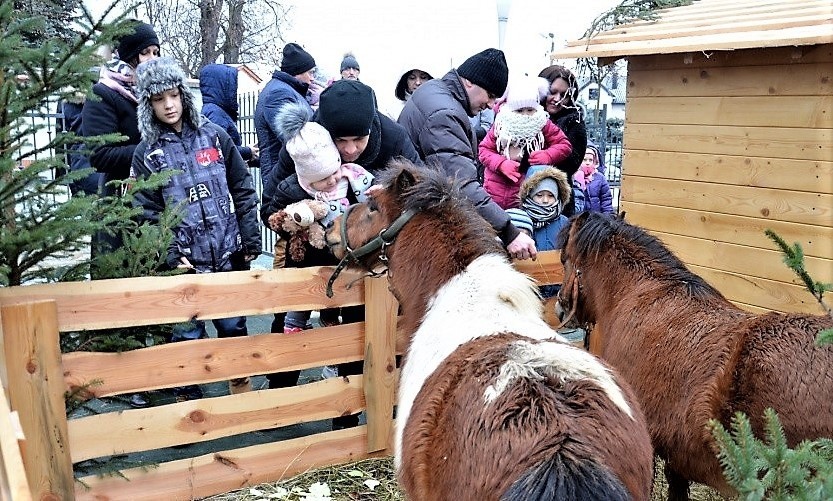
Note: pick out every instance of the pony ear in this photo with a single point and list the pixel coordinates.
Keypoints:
(404, 180)
(621, 215)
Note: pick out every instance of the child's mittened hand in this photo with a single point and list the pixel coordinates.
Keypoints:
(509, 168)
(539, 158)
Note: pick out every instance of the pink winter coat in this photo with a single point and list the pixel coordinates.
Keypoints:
(503, 190)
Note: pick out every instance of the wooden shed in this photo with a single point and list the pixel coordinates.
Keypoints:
(728, 132)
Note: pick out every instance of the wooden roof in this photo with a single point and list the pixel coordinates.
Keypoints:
(714, 25)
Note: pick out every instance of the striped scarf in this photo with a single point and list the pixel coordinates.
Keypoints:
(541, 215)
(119, 76)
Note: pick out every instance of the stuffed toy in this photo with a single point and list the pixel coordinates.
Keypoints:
(302, 221)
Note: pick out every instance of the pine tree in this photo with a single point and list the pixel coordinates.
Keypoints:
(40, 223)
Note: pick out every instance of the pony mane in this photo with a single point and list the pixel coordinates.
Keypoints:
(432, 191)
(596, 232)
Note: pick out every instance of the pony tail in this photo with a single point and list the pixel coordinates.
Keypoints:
(291, 118)
(555, 478)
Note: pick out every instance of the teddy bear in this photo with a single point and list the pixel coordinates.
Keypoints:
(302, 221)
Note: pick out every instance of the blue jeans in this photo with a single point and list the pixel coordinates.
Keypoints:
(226, 327)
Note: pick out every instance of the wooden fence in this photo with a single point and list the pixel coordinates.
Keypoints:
(36, 376)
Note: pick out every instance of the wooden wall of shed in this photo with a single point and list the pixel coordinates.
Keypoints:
(721, 146)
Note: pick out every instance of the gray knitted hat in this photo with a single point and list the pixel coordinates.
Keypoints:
(153, 77)
(349, 61)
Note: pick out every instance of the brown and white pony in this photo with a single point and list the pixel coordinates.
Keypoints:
(688, 353)
(492, 403)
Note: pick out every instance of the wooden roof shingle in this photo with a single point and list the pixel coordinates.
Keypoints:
(714, 25)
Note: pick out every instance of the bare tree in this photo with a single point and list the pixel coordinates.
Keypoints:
(229, 31)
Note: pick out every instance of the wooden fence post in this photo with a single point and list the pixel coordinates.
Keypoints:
(379, 361)
(36, 392)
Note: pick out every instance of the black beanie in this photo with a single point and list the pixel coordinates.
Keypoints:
(347, 108)
(487, 69)
(296, 60)
(132, 44)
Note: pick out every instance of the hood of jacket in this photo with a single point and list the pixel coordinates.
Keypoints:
(218, 85)
(151, 128)
(537, 173)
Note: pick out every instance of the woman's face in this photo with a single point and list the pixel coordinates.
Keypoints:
(558, 96)
(148, 53)
(415, 79)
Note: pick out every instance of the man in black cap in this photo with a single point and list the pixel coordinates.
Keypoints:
(437, 119)
(347, 109)
(289, 84)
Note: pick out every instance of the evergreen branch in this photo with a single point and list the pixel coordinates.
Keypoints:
(794, 259)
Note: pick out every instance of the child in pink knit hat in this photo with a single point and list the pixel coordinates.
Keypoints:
(522, 136)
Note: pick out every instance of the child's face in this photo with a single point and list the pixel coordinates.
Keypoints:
(544, 198)
(526, 111)
(329, 182)
(167, 107)
(590, 159)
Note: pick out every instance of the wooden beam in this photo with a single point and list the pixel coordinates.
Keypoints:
(124, 302)
(208, 360)
(36, 392)
(195, 421)
(14, 486)
(225, 471)
(379, 361)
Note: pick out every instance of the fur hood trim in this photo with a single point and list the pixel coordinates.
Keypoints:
(153, 77)
(537, 175)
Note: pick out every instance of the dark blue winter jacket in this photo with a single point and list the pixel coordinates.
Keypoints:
(282, 88)
(218, 85)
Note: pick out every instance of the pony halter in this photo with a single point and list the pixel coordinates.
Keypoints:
(382, 241)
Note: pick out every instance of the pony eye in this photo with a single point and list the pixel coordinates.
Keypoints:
(371, 204)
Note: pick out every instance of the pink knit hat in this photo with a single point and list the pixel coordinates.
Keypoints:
(316, 156)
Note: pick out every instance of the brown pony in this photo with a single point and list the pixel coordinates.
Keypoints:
(493, 404)
(689, 354)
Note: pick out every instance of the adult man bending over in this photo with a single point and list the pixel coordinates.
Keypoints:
(437, 119)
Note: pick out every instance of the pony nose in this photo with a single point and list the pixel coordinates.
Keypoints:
(559, 311)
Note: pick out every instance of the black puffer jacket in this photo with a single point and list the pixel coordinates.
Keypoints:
(437, 120)
(112, 113)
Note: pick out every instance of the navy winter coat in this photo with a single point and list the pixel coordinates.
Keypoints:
(218, 85)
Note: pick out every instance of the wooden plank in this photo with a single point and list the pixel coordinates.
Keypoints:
(208, 360)
(14, 486)
(816, 241)
(812, 79)
(545, 270)
(379, 361)
(126, 302)
(794, 175)
(764, 203)
(799, 35)
(769, 56)
(33, 358)
(214, 473)
(704, 25)
(768, 142)
(759, 292)
(211, 418)
(815, 112)
(729, 11)
(743, 260)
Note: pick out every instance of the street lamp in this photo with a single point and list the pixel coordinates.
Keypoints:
(502, 19)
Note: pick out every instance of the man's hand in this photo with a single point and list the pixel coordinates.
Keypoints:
(523, 247)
